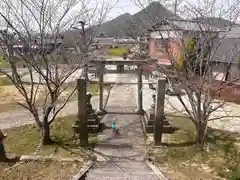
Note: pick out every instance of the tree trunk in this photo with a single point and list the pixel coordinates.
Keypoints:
(201, 135)
(2, 153)
(46, 134)
(34, 111)
(2, 149)
(45, 129)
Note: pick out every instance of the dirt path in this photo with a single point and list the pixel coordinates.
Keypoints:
(22, 117)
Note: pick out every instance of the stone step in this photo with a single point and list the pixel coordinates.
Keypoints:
(121, 170)
(166, 129)
(151, 116)
(93, 129)
(121, 164)
(121, 175)
(110, 171)
(93, 121)
(152, 122)
(151, 113)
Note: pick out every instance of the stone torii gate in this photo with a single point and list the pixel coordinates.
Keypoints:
(82, 121)
(120, 70)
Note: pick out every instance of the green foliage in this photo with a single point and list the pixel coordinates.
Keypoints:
(180, 61)
(186, 52)
(117, 51)
(191, 45)
(189, 54)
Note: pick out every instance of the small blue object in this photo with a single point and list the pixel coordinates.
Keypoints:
(113, 125)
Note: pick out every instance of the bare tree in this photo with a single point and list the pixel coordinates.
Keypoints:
(197, 45)
(34, 36)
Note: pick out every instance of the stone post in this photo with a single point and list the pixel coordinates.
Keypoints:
(81, 123)
(159, 111)
(101, 86)
(139, 91)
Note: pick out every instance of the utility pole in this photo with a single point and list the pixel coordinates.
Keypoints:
(175, 7)
(84, 49)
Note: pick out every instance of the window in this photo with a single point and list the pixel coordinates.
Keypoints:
(161, 43)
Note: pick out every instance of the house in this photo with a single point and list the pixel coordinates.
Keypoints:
(225, 55)
(75, 37)
(216, 22)
(231, 32)
(224, 48)
(225, 61)
(174, 32)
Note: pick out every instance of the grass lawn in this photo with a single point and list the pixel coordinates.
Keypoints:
(182, 161)
(3, 64)
(25, 140)
(48, 170)
(91, 87)
(4, 81)
(117, 51)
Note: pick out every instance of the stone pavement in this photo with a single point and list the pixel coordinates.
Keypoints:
(123, 155)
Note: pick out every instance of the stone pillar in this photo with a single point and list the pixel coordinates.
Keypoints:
(159, 111)
(120, 68)
(139, 91)
(101, 86)
(81, 123)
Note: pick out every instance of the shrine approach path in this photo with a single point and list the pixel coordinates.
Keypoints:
(121, 156)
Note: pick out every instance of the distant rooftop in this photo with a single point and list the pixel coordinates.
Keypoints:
(183, 25)
(228, 50)
(231, 32)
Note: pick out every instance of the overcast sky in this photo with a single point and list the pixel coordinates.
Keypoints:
(127, 6)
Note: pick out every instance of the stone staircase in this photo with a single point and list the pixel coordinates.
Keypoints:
(120, 170)
(122, 155)
(93, 124)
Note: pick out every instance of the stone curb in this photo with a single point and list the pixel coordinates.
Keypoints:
(83, 170)
(144, 120)
(156, 170)
(46, 158)
(161, 176)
